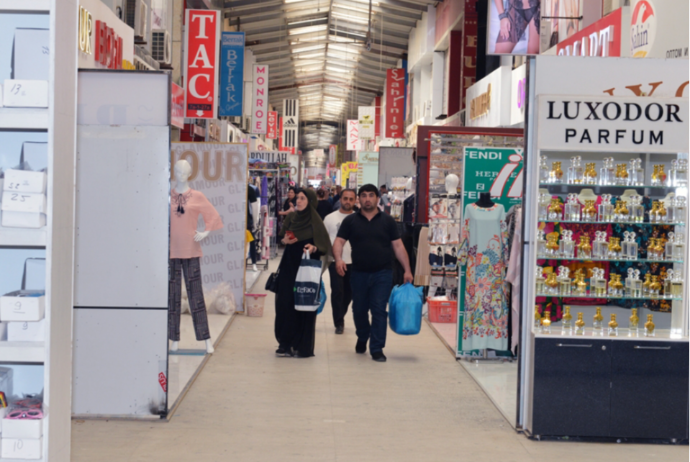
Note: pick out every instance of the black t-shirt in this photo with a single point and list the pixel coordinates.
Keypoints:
(286, 204)
(323, 208)
(370, 240)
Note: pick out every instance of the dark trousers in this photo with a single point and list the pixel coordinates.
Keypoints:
(252, 250)
(341, 294)
(195, 294)
(370, 292)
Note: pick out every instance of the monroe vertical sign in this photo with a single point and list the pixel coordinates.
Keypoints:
(260, 99)
(202, 37)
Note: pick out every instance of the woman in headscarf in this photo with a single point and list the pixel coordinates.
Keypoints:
(289, 204)
(303, 231)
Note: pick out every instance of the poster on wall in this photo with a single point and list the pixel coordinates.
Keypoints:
(499, 172)
(368, 167)
(513, 29)
(231, 74)
(201, 40)
(219, 171)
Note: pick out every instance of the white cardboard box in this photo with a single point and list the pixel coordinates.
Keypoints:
(26, 331)
(22, 236)
(1, 104)
(23, 201)
(22, 428)
(25, 93)
(35, 154)
(24, 220)
(31, 54)
(17, 448)
(25, 181)
(22, 308)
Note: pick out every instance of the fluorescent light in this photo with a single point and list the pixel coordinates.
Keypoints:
(307, 29)
(349, 18)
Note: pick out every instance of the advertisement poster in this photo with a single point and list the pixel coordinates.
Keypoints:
(368, 168)
(231, 74)
(348, 175)
(366, 122)
(512, 30)
(494, 170)
(202, 37)
(219, 171)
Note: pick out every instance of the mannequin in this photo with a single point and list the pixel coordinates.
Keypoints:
(452, 182)
(586, 194)
(485, 201)
(186, 205)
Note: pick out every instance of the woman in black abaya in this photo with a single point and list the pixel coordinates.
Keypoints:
(302, 231)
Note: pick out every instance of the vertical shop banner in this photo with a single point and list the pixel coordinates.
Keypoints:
(177, 106)
(290, 124)
(259, 99)
(332, 155)
(469, 50)
(499, 172)
(348, 175)
(366, 121)
(231, 74)
(201, 40)
(395, 103)
(272, 125)
(352, 135)
(219, 170)
(368, 167)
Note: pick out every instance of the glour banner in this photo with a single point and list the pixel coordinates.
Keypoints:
(259, 99)
(201, 42)
(219, 170)
(290, 125)
(231, 74)
(499, 172)
(395, 103)
(272, 125)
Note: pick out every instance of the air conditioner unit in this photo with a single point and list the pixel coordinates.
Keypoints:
(140, 29)
(161, 46)
(135, 15)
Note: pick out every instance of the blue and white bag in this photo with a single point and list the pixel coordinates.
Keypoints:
(308, 284)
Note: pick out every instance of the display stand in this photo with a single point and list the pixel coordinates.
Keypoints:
(45, 364)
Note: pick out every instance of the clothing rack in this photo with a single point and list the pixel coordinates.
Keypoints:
(266, 230)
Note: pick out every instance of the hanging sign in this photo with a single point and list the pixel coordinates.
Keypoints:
(332, 155)
(290, 123)
(231, 74)
(177, 106)
(630, 124)
(368, 167)
(395, 103)
(259, 99)
(272, 125)
(352, 135)
(280, 157)
(367, 115)
(202, 36)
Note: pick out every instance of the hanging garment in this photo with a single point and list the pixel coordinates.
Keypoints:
(195, 293)
(184, 215)
(484, 252)
(272, 197)
(264, 191)
(513, 276)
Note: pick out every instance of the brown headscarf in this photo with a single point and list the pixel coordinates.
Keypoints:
(307, 224)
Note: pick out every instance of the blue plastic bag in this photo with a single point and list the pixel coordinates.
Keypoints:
(322, 299)
(405, 309)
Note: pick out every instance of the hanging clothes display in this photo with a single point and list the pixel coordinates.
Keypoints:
(483, 250)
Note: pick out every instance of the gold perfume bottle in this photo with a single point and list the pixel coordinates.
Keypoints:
(546, 323)
(616, 287)
(590, 173)
(579, 325)
(633, 326)
(579, 283)
(649, 327)
(653, 212)
(584, 248)
(645, 285)
(556, 171)
(597, 325)
(537, 317)
(589, 213)
(552, 284)
(613, 326)
(555, 210)
(655, 176)
(655, 287)
(567, 322)
(662, 174)
(552, 244)
(661, 213)
(623, 212)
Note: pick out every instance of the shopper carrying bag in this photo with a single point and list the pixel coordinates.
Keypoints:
(308, 284)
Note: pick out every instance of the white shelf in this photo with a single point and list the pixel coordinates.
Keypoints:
(23, 118)
(22, 352)
(24, 6)
(20, 239)
(662, 335)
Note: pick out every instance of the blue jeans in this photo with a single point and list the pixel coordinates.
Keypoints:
(370, 292)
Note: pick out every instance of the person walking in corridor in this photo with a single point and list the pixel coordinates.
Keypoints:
(374, 238)
(341, 290)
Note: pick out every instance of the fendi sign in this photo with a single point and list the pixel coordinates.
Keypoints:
(613, 124)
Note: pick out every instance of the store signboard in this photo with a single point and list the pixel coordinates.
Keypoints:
(231, 74)
(368, 167)
(602, 38)
(105, 41)
(395, 103)
(366, 120)
(497, 171)
(348, 175)
(290, 125)
(352, 135)
(219, 171)
(332, 155)
(659, 29)
(489, 105)
(631, 124)
(259, 99)
(201, 44)
(177, 106)
(518, 95)
(272, 125)
(281, 157)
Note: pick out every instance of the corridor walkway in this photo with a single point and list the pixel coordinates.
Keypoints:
(248, 405)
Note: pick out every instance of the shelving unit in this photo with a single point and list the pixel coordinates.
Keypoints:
(24, 118)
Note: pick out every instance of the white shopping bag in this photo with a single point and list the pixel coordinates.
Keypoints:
(308, 284)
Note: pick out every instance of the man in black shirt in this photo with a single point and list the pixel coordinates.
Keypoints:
(374, 239)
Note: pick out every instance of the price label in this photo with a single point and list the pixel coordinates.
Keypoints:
(23, 202)
(26, 93)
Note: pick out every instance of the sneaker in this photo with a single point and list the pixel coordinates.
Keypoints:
(361, 347)
(339, 330)
(378, 357)
(284, 352)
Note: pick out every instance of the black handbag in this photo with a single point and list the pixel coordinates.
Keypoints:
(272, 283)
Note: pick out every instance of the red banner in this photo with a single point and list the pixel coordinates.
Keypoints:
(395, 103)
(272, 124)
(202, 38)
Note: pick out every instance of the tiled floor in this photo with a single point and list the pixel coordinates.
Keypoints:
(248, 405)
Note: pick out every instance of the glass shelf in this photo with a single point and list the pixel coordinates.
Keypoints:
(608, 297)
(639, 260)
(582, 185)
(612, 223)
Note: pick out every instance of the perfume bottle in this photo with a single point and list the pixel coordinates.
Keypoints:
(654, 287)
(598, 282)
(590, 174)
(653, 216)
(649, 327)
(671, 177)
(572, 208)
(540, 281)
(552, 244)
(580, 284)
(614, 248)
(621, 212)
(600, 246)
(543, 170)
(589, 212)
(671, 210)
(662, 175)
(669, 254)
(636, 209)
(677, 284)
(541, 244)
(681, 177)
(633, 324)
(622, 176)
(579, 325)
(555, 210)
(656, 176)
(606, 173)
(659, 248)
(544, 201)
(584, 248)
(668, 286)
(605, 209)
(567, 245)
(556, 174)
(630, 247)
(575, 171)
(633, 284)
(546, 323)
(651, 249)
(564, 281)
(616, 287)
(636, 173)
(645, 285)
(681, 210)
(598, 324)
(567, 322)
(679, 247)
(613, 326)
(537, 317)
(661, 213)
(551, 284)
